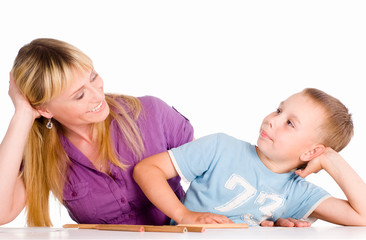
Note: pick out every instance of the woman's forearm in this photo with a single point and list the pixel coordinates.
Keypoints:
(11, 153)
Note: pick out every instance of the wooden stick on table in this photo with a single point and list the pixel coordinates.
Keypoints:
(216, 226)
(165, 228)
(150, 228)
(196, 229)
(121, 227)
(143, 228)
(137, 228)
(115, 227)
(81, 226)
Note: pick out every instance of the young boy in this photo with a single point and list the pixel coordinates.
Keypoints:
(234, 181)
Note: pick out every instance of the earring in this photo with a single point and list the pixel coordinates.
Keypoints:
(49, 125)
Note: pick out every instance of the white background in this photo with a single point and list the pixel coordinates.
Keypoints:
(223, 64)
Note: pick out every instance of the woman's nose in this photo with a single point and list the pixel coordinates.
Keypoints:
(98, 92)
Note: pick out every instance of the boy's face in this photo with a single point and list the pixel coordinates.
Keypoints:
(290, 131)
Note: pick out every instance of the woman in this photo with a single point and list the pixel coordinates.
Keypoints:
(69, 138)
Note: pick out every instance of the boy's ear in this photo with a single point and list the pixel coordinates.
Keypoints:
(44, 112)
(313, 153)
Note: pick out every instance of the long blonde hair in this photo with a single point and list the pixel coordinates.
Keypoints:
(42, 70)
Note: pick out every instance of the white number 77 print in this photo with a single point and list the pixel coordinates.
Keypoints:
(248, 193)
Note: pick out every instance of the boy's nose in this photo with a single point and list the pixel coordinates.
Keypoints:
(270, 124)
(272, 121)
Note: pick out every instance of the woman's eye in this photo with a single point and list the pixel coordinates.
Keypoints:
(80, 96)
(93, 77)
(290, 123)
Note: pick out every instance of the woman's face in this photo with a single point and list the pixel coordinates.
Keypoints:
(82, 104)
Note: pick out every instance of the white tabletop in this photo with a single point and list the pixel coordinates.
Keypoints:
(333, 232)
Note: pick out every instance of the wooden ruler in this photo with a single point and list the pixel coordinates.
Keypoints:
(181, 228)
(137, 228)
(217, 226)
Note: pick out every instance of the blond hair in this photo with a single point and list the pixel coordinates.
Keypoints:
(42, 70)
(337, 129)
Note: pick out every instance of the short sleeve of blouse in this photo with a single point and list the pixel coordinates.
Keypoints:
(176, 128)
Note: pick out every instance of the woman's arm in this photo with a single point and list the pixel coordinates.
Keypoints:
(152, 174)
(350, 212)
(12, 190)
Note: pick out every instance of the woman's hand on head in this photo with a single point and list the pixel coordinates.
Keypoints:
(204, 218)
(19, 100)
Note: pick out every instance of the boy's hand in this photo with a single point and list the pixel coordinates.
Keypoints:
(318, 163)
(204, 218)
(286, 222)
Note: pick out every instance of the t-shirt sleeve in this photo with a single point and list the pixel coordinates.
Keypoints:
(177, 128)
(305, 197)
(193, 159)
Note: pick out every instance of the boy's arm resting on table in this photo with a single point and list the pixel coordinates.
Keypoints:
(151, 174)
(344, 212)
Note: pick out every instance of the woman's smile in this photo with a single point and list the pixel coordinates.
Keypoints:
(99, 107)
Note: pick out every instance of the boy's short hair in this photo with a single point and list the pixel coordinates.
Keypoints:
(337, 130)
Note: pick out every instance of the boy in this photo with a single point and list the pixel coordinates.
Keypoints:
(234, 181)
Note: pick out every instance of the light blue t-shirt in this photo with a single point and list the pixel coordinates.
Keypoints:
(227, 177)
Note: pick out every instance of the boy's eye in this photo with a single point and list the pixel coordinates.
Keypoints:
(290, 123)
(278, 111)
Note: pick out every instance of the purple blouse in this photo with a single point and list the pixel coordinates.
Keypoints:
(95, 197)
